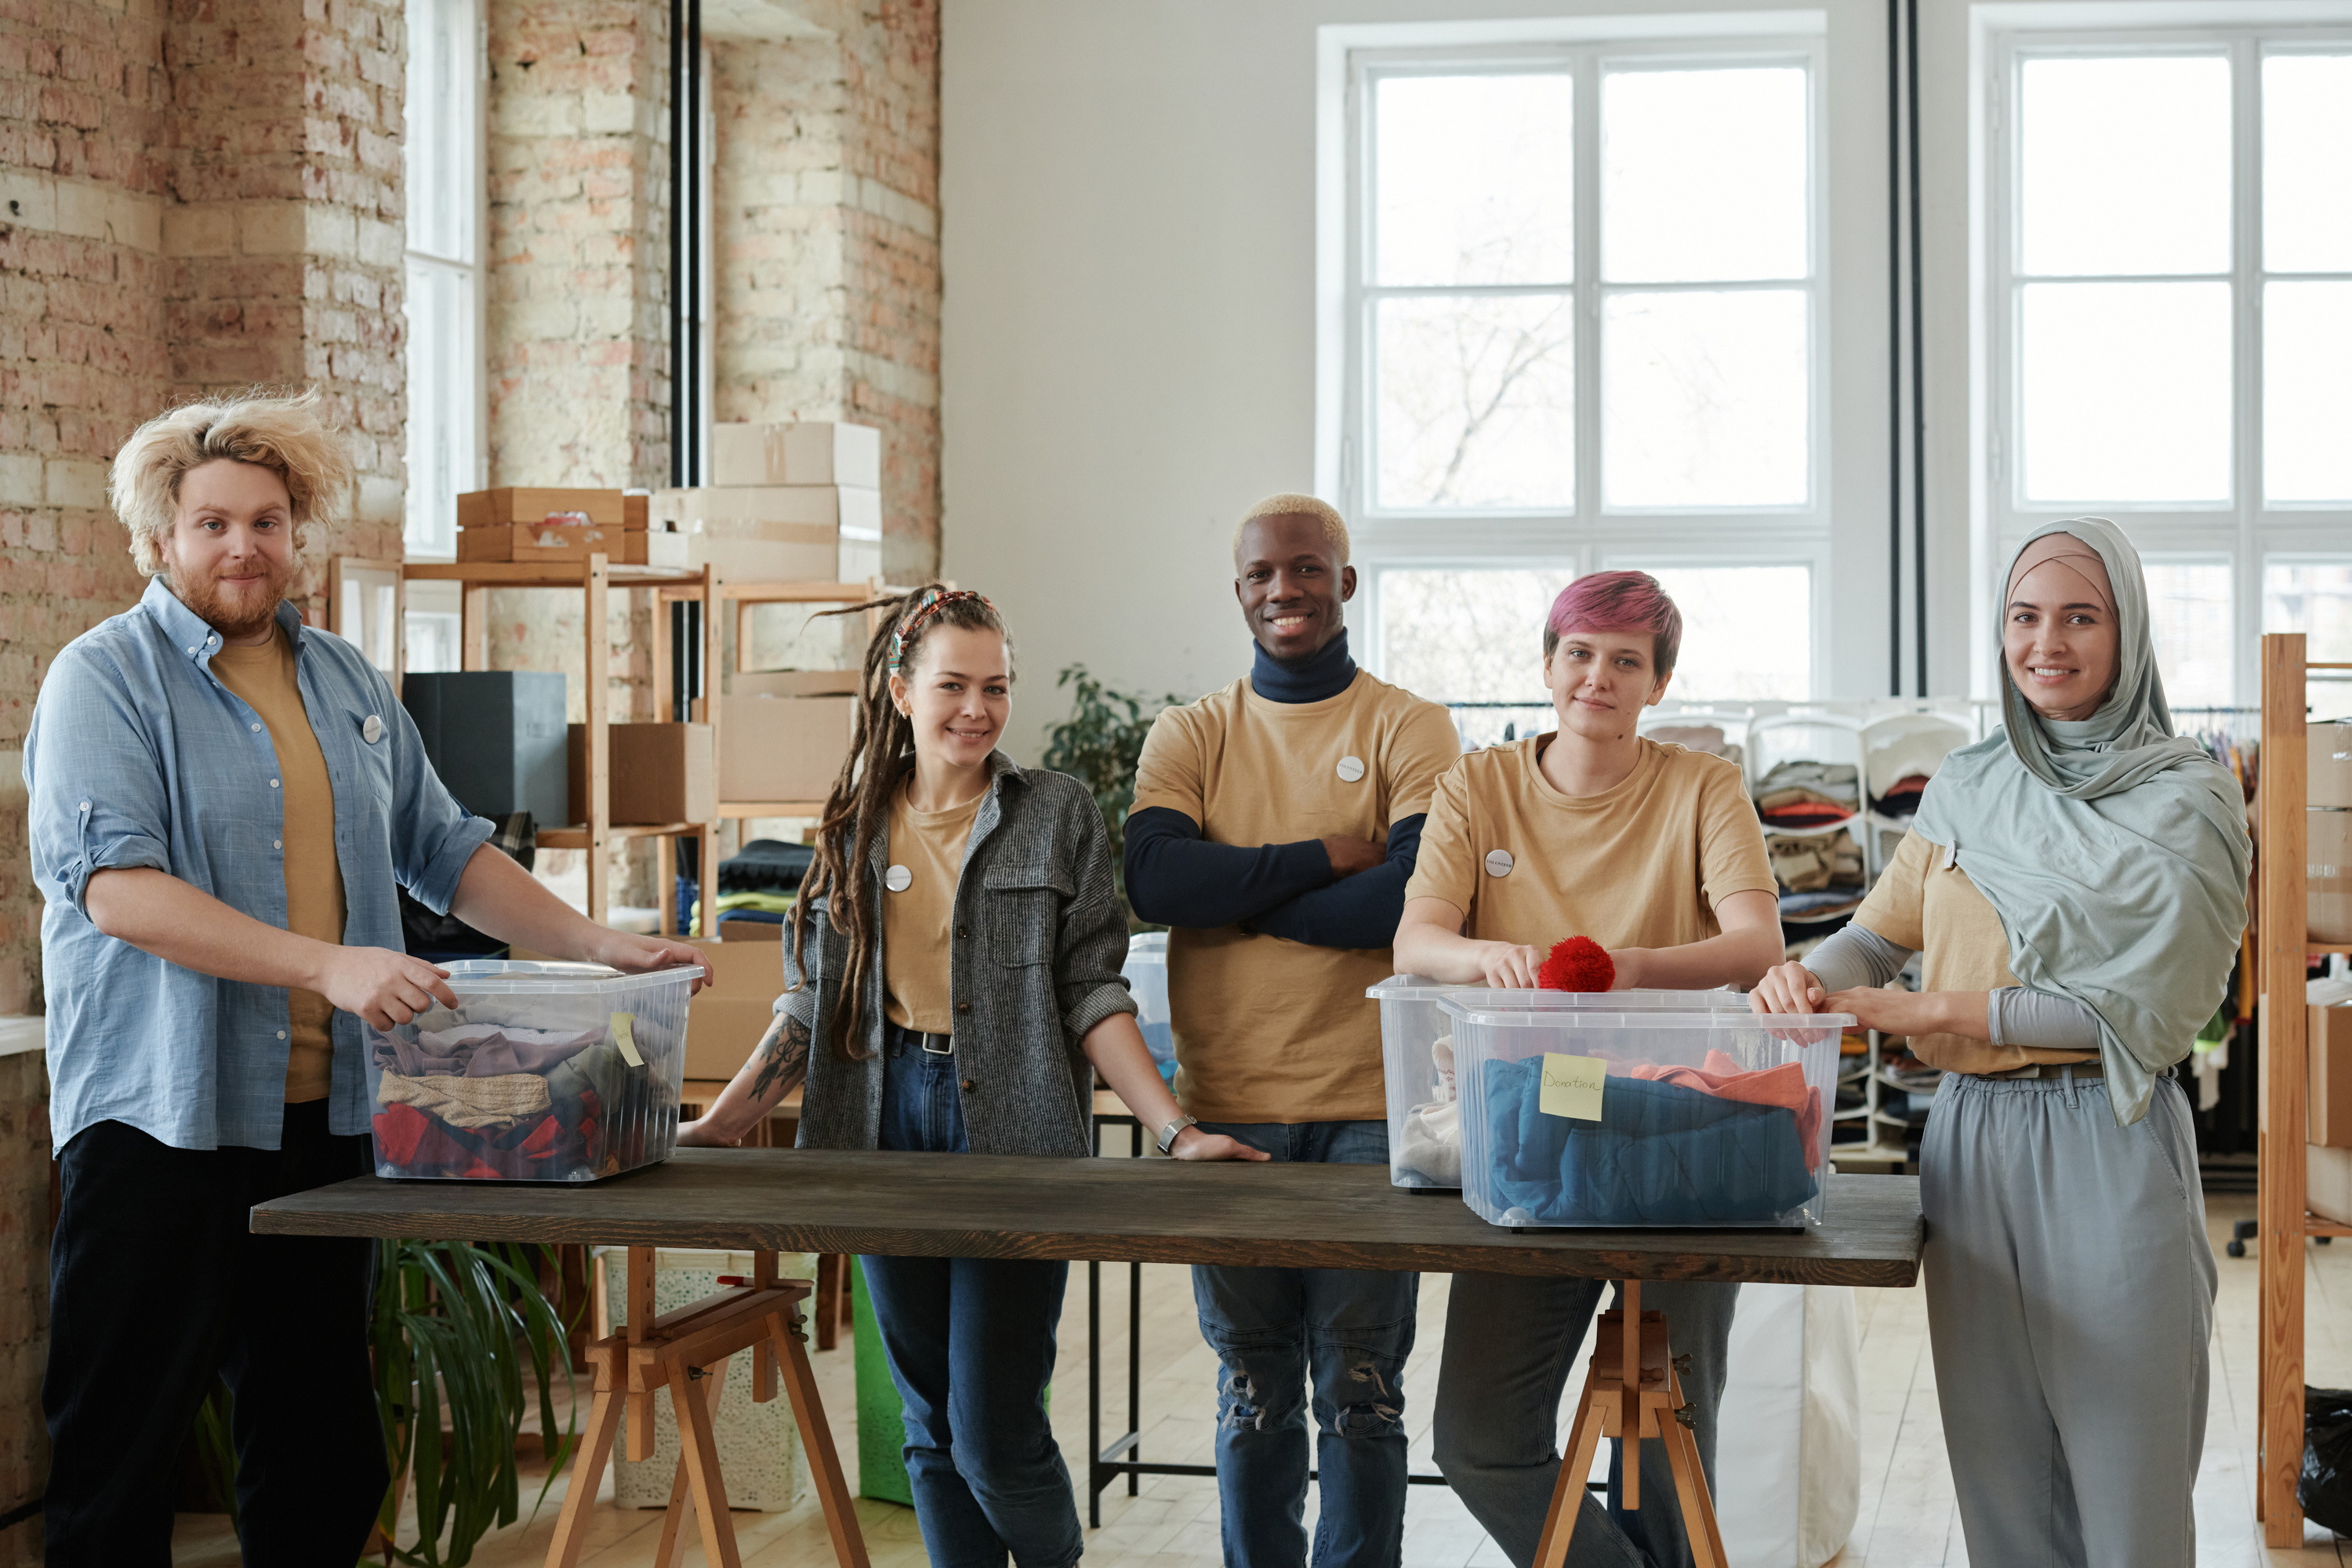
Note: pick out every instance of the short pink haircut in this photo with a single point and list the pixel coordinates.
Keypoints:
(1618, 602)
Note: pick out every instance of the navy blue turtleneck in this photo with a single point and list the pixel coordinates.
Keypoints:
(1176, 878)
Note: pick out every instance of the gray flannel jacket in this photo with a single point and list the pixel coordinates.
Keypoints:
(1034, 960)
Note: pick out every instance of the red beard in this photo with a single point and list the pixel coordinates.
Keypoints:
(233, 618)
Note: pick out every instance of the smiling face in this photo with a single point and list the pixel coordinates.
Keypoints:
(957, 696)
(1291, 585)
(230, 552)
(2060, 639)
(1601, 681)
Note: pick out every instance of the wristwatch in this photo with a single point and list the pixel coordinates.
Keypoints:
(1168, 1135)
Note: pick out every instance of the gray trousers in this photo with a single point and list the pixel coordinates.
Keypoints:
(2070, 1300)
(1510, 1349)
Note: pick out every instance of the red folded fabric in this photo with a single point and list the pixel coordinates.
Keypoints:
(1783, 1086)
(398, 1130)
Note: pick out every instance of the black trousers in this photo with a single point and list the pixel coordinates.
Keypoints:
(155, 1285)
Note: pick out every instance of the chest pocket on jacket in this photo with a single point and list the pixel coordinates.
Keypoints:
(1023, 909)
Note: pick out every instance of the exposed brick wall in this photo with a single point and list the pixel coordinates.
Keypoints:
(827, 238)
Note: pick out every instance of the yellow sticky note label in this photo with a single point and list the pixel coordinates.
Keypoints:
(625, 1037)
(1571, 1086)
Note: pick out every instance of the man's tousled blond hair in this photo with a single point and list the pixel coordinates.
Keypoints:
(285, 434)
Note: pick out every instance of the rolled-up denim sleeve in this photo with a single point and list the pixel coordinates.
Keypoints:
(432, 836)
(95, 780)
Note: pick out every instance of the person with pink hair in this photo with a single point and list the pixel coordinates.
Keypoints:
(1653, 852)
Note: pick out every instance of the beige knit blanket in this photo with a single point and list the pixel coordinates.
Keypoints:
(477, 1104)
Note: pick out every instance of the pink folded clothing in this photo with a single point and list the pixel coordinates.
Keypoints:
(1783, 1086)
(481, 1050)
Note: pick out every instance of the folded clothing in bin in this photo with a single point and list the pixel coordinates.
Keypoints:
(1662, 1154)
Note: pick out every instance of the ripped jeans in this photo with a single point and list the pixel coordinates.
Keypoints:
(1342, 1334)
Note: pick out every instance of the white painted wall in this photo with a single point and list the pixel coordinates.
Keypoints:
(1128, 345)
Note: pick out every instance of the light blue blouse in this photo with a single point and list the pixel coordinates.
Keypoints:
(138, 756)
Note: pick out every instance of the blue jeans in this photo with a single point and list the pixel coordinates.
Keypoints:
(1342, 1332)
(971, 1346)
(1510, 1348)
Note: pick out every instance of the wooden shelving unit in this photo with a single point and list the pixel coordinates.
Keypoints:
(2281, 908)
(595, 578)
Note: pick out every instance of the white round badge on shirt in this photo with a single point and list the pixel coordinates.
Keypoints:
(1498, 862)
(1350, 769)
(898, 879)
(371, 729)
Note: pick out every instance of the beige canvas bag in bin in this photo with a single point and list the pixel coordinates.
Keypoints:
(1787, 1455)
(759, 1446)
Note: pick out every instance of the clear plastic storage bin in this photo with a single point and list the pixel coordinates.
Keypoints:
(1627, 1118)
(1419, 1067)
(545, 1072)
(1146, 974)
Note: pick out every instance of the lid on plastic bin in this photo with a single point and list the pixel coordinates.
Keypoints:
(1418, 988)
(492, 976)
(1487, 1016)
(1151, 946)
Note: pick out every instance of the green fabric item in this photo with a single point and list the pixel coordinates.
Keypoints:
(881, 1418)
(2115, 852)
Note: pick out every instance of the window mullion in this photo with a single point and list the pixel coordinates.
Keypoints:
(1587, 160)
(2246, 319)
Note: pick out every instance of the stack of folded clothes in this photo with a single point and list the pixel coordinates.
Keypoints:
(1820, 876)
(1901, 801)
(757, 883)
(1675, 1146)
(1801, 794)
(500, 1102)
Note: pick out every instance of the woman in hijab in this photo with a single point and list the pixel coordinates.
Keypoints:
(2076, 885)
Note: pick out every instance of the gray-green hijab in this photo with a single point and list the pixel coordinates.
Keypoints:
(2115, 852)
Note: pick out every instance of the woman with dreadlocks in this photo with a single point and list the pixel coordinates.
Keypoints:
(952, 987)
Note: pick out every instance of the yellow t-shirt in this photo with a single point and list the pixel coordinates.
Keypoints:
(1269, 1029)
(1935, 911)
(1642, 864)
(928, 846)
(265, 678)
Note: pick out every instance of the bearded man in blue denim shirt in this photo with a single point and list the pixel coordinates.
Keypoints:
(222, 805)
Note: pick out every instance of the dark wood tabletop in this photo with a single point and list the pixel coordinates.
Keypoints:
(1157, 1211)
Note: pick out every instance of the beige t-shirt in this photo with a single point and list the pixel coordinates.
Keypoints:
(1642, 864)
(265, 678)
(1934, 909)
(1269, 1029)
(929, 846)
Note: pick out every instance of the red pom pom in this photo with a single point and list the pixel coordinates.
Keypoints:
(1580, 964)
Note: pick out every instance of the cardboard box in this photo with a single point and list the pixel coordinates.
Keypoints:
(856, 512)
(512, 505)
(727, 1015)
(784, 736)
(2330, 745)
(2327, 866)
(2329, 1063)
(740, 930)
(636, 509)
(496, 737)
(813, 454)
(661, 773)
(545, 541)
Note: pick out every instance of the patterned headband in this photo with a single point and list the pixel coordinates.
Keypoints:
(932, 602)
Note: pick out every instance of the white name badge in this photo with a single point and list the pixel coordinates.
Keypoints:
(1351, 769)
(371, 729)
(1498, 862)
(898, 879)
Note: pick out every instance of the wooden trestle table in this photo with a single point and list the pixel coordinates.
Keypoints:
(765, 1201)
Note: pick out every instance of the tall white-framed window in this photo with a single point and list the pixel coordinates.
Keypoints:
(2168, 250)
(1585, 328)
(447, 448)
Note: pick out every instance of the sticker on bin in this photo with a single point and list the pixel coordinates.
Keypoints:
(543, 1072)
(1623, 1119)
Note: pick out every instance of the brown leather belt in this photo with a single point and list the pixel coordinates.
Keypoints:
(2053, 1069)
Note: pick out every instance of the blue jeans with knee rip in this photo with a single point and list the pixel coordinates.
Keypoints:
(1336, 1339)
(971, 1346)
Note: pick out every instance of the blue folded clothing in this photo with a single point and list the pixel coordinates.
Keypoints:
(1660, 1155)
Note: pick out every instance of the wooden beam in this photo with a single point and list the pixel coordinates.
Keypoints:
(598, 716)
(706, 885)
(2281, 910)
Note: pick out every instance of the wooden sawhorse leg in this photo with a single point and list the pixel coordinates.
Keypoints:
(685, 1352)
(1633, 1391)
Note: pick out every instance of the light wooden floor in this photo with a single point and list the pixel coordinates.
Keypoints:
(1907, 1520)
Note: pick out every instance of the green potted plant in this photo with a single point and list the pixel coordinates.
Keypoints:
(1098, 744)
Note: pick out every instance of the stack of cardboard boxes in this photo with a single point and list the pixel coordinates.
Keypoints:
(787, 503)
(541, 524)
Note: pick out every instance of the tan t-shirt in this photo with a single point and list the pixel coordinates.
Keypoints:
(1642, 864)
(1269, 1029)
(929, 845)
(265, 678)
(1935, 910)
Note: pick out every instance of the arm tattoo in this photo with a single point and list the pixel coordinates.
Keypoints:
(784, 1057)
